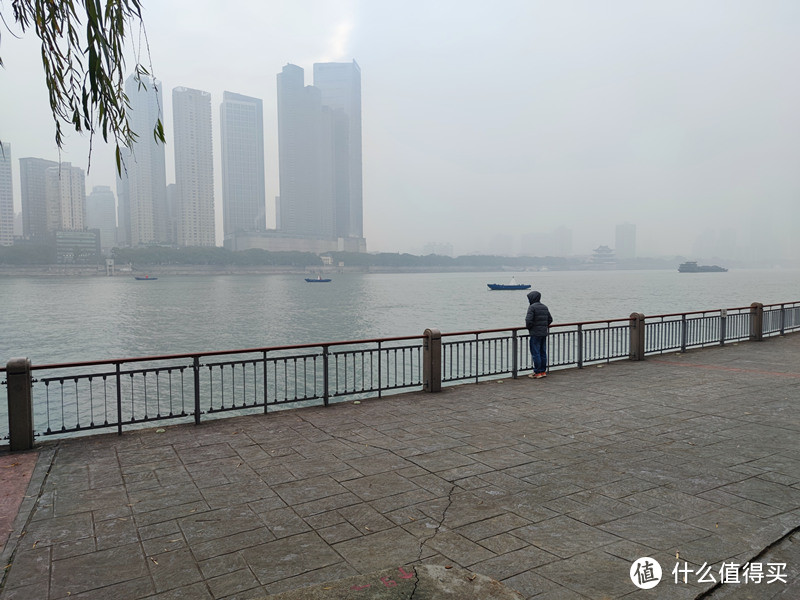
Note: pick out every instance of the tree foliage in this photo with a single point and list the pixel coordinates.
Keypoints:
(83, 47)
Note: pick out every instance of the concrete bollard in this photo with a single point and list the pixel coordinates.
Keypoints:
(637, 346)
(432, 360)
(756, 322)
(20, 404)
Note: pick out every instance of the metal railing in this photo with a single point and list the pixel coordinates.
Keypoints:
(79, 397)
(473, 355)
(82, 397)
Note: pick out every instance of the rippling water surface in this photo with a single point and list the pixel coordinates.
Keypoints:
(54, 320)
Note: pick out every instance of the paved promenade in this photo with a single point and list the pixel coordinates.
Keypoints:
(552, 487)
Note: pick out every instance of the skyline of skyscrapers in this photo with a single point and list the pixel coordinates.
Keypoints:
(243, 180)
(194, 167)
(319, 207)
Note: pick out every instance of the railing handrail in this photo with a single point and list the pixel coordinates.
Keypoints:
(368, 341)
(113, 361)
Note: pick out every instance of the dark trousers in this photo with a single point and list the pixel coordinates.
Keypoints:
(539, 353)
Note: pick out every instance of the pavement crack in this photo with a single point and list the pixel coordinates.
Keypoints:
(709, 593)
(439, 524)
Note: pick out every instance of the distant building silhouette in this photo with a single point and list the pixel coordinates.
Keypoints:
(340, 84)
(319, 153)
(33, 194)
(101, 214)
(66, 198)
(243, 187)
(625, 241)
(194, 167)
(6, 197)
(142, 186)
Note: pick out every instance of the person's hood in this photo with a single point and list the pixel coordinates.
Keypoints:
(534, 296)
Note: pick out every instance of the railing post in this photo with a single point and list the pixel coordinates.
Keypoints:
(756, 322)
(20, 403)
(196, 369)
(432, 360)
(326, 395)
(637, 347)
(580, 345)
(514, 357)
(723, 325)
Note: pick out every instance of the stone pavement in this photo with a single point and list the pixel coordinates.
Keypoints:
(552, 487)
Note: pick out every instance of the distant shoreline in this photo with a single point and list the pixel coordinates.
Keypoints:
(73, 271)
(54, 271)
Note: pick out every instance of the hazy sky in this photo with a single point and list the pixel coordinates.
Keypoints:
(485, 122)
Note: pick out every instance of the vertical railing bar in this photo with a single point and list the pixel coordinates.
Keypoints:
(265, 382)
(196, 370)
(325, 380)
(380, 382)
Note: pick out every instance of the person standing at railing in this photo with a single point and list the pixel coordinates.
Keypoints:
(538, 320)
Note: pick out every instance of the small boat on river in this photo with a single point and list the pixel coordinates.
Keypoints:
(318, 279)
(144, 278)
(512, 285)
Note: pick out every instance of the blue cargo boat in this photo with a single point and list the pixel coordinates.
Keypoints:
(512, 285)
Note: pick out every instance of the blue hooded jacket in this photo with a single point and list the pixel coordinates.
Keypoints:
(538, 318)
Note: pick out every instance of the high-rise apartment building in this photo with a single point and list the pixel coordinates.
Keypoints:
(625, 241)
(101, 214)
(243, 186)
(306, 158)
(142, 187)
(6, 197)
(33, 194)
(194, 167)
(66, 198)
(340, 84)
(319, 151)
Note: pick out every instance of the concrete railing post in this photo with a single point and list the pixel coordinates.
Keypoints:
(756, 322)
(637, 346)
(432, 360)
(20, 404)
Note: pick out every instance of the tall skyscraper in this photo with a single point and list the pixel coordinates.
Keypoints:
(66, 198)
(625, 241)
(194, 167)
(319, 146)
(101, 214)
(6, 197)
(33, 194)
(243, 188)
(143, 183)
(305, 154)
(340, 84)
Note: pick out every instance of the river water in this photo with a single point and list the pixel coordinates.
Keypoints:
(53, 320)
